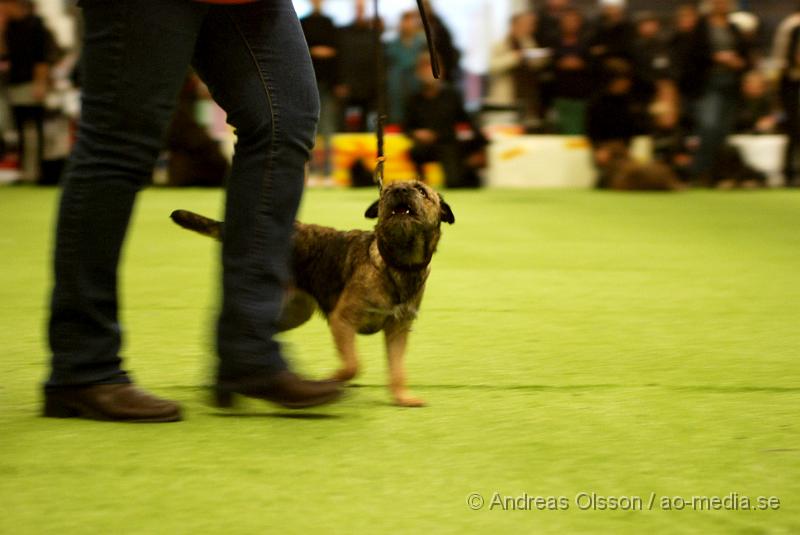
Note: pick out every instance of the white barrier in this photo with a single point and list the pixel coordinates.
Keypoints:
(548, 161)
(765, 154)
(566, 162)
(540, 162)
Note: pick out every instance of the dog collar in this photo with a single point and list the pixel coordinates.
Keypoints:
(400, 266)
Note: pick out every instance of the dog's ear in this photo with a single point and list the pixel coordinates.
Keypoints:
(372, 211)
(446, 212)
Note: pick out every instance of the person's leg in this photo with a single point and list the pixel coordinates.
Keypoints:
(723, 128)
(707, 120)
(257, 66)
(472, 157)
(135, 56)
(562, 109)
(450, 157)
(38, 121)
(420, 154)
(321, 157)
(790, 93)
(30, 157)
(327, 127)
(571, 116)
(20, 114)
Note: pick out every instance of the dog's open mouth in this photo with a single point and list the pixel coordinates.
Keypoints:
(402, 208)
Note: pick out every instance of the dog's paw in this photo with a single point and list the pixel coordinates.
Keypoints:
(408, 401)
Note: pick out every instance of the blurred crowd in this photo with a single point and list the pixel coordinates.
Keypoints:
(430, 111)
(688, 82)
(27, 52)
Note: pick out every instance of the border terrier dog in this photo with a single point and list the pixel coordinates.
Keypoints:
(363, 282)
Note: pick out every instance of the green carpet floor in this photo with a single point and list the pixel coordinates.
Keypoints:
(570, 342)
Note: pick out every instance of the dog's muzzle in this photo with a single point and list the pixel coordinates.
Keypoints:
(402, 205)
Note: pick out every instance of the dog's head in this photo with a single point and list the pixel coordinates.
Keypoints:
(411, 202)
(409, 217)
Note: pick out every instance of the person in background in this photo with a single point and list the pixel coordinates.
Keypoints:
(514, 68)
(671, 143)
(650, 57)
(357, 88)
(612, 117)
(548, 34)
(441, 130)
(549, 16)
(611, 35)
(321, 36)
(572, 76)
(786, 54)
(26, 43)
(756, 112)
(681, 45)
(612, 114)
(195, 157)
(669, 128)
(667, 97)
(720, 56)
(401, 59)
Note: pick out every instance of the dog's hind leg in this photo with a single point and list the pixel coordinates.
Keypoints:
(298, 309)
(396, 335)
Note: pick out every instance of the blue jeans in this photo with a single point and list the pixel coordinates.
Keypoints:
(715, 115)
(136, 54)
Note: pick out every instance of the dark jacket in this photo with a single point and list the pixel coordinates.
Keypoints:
(613, 118)
(357, 67)
(752, 110)
(700, 63)
(788, 76)
(573, 84)
(320, 31)
(681, 47)
(28, 43)
(548, 30)
(611, 41)
(441, 113)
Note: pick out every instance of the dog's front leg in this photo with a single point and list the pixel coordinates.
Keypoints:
(396, 335)
(344, 336)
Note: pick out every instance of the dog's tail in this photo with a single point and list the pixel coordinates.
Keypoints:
(198, 223)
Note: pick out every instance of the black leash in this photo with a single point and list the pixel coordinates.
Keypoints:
(431, 38)
(381, 67)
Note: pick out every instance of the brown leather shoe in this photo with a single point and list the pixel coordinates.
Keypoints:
(284, 388)
(122, 402)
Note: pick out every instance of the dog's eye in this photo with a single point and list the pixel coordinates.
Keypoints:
(421, 189)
